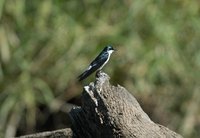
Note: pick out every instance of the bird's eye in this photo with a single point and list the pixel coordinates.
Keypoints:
(110, 48)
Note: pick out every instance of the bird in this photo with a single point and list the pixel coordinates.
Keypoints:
(98, 63)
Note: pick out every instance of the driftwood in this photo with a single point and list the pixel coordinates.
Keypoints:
(111, 111)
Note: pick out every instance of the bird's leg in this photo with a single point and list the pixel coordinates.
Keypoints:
(98, 73)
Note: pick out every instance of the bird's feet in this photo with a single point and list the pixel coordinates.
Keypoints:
(98, 73)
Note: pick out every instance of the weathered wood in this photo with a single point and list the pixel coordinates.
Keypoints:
(111, 111)
(62, 133)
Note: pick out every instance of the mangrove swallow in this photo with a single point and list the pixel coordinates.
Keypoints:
(98, 63)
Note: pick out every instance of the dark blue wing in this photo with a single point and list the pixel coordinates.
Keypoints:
(99, 60)
(95, 64)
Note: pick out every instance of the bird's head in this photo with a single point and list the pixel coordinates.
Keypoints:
(109, 49)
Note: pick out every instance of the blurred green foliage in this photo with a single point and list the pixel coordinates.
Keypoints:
(44, 45)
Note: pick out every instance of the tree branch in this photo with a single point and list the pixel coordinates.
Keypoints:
(62, 133)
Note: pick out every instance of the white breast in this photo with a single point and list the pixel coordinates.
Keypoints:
(109, 53)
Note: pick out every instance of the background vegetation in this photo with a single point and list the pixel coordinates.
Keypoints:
(45, 45)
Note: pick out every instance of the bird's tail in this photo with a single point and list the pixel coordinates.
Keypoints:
(85, 74)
